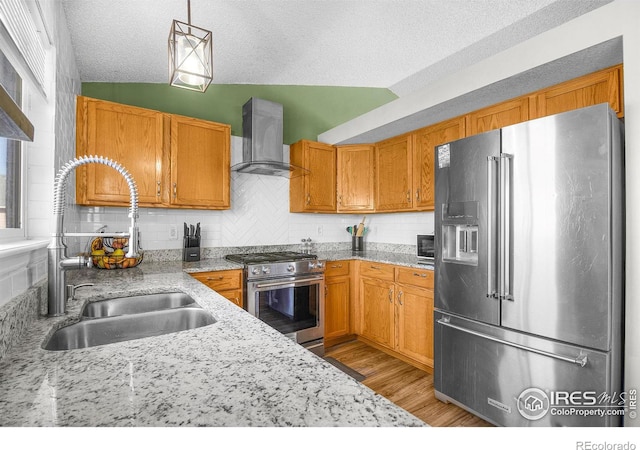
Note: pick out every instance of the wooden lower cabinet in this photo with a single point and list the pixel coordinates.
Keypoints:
(377, 313)
(337, 307)
(415, 323)
(396, 315)
(227, 283)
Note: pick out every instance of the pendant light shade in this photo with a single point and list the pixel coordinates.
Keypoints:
(190, 55)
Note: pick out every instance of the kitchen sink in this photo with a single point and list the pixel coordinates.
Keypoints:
(128, 318)
(137, 304)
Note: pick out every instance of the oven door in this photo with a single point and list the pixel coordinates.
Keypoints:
(294, 305)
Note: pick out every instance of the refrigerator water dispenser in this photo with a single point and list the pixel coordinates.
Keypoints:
(460, 233)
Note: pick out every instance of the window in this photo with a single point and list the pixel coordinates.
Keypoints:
(10, 157)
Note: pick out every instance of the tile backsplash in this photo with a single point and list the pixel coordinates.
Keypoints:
(259, 215)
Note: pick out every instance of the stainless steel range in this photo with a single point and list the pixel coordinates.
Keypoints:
(286, 291)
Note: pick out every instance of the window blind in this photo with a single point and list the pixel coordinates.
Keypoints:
(20, 25)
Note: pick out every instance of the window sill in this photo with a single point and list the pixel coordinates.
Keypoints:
(20, 247)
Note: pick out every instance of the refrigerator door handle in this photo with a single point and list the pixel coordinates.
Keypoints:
(505, 228)
(580, 360)
(491, 290)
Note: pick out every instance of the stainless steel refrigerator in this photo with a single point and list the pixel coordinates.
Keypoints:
(529, 271)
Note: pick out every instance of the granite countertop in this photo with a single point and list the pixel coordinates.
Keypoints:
(399, 259)
(235, 372)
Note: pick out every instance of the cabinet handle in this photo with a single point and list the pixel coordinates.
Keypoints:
(390, 295)
(336, 266)
(158, 191)
(308, 199)
(400, 297)
(375, 267)
(423, 275)
(340, 199)
(175, 190)
(418, 195)
(409, 196)
(214, 278)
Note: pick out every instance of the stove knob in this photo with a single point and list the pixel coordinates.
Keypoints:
(320, 265)
(291, 268)
(255, 271)
(266, 270)
(312, 265)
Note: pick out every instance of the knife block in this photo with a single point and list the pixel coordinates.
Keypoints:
(191, 254)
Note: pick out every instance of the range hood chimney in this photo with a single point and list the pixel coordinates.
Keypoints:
(262, 151)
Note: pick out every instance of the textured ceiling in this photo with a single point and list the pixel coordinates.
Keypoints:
(397, 44)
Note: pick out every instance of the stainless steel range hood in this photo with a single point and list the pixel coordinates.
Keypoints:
(262, 151)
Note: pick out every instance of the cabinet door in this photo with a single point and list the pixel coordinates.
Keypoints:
(498, 116)
(315, 191)
(377, 307)
(234, 297)
(425, 140)
(394, 174)
(415, 323)
(355, 178)
(200, 163)
(336, 309)
(131, 136)
(598, 87)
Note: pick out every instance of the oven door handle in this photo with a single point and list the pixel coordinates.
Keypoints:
(288, 283)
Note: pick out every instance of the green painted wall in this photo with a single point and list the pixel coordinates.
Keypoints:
(308, 110)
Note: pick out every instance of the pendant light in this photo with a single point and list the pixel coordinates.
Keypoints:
(190, 55)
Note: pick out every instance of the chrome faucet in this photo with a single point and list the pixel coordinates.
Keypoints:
(58, 261)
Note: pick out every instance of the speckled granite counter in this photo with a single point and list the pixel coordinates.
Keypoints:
(399, 259)
(236, 372)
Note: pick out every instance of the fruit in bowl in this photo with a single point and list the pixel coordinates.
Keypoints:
(110, 253)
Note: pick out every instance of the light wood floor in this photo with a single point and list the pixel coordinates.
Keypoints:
(406, 386)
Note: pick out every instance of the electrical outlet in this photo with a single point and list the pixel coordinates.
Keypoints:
(320, 230)
(173, 232)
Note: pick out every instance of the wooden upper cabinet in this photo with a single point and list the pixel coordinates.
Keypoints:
(131, 136)
(394, 173)
(425, 141)
(356, 187)
(176, 161)
(498, 116)
(200, 163)
(315, 190)
(604, 86)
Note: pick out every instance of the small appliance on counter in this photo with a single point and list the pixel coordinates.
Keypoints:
(191, 243)
(425, 249)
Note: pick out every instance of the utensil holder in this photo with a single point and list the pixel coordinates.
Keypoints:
(191, 254)
(357, 243)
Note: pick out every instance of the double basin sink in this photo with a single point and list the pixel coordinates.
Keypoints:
(127, 318)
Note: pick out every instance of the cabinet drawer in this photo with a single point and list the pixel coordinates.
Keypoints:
(376, 270)
(416, 277)
(220, 280)
(337, 268)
